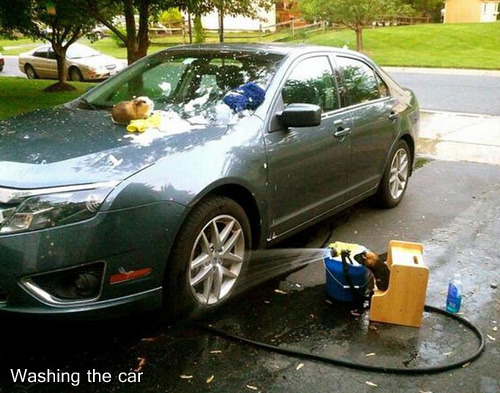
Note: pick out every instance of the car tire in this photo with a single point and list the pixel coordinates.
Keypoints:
(30, 72)
(394, 182)
(208, 259)
(75, 75)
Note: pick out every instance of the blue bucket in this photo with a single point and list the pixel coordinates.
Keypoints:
(337, 285)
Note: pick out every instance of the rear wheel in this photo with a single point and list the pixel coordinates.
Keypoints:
(30, 72)
(209, 256)
(75, 74)
(394, 182)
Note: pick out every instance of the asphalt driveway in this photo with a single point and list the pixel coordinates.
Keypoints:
(452, 207)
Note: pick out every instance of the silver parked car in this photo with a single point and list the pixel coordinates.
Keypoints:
(83, 63)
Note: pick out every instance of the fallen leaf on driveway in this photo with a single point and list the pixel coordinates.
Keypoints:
(299, 366)
(371, 384)
(216, 351)
(280, 292)
(251, 387)
(491, 337)
(186, 376)
(141, 364)
(210, 379)
(370, 354)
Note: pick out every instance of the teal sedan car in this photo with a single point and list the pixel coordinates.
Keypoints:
(97, 222)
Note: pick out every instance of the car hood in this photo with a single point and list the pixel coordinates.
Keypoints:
(95, 61)
(62, 146)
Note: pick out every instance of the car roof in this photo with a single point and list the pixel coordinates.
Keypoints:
(277, 48)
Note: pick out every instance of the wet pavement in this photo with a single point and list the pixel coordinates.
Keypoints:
(451, 207)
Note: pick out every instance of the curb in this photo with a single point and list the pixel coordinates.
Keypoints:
(438, 112)
(442, 71)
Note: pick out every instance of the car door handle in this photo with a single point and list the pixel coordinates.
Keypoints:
(393, 116)
(341, 132)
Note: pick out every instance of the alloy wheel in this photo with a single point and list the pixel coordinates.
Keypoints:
(399, 173)
(216, 259)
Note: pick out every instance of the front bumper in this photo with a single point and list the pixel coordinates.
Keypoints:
(124, 240)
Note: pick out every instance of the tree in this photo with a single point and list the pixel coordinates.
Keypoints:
(431, 8)
(65, 25)
(355, 15)
(136, 35)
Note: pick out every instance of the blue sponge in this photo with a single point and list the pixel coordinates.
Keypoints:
(247, 96)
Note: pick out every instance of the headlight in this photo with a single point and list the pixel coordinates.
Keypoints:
(47, 211)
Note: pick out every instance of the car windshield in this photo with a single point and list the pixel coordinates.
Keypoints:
(191, 83)
(76, 51)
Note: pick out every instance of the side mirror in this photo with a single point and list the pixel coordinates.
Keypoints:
(300, 115)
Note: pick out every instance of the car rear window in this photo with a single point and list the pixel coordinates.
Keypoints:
(359, 79)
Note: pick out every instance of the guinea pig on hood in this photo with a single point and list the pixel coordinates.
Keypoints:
(126, 111)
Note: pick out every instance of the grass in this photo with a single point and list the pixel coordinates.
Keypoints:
(19, 95)
(471, 45)
(14, 47)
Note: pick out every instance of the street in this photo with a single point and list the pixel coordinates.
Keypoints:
(455, 93)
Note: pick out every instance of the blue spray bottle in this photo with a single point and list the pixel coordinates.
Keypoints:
(454, 299)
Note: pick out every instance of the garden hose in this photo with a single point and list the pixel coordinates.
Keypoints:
(366, 367)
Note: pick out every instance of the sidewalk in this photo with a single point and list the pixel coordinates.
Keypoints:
(459, 137)
(442, 71)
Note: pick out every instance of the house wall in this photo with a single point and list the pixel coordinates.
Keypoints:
(241, 23)
(462, 11)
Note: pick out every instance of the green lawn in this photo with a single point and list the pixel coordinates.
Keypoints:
(14, 47)
(18, 95)
(472, 45)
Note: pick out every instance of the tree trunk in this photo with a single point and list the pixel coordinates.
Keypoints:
(62, 73)
(359, 39)
(221, 22)
(190, 28)
(143, 34)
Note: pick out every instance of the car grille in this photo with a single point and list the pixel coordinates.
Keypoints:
(111, 66)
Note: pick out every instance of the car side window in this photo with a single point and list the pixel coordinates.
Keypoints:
(312, 82)
(359, 79)
(41, 53)
(382, 87)
(52, 55)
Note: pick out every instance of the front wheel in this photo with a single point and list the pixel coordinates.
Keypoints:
(394, 181)
(209, 256)
(75, 74)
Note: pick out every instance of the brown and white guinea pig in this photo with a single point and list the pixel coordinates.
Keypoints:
(126, 111)
(377, 266)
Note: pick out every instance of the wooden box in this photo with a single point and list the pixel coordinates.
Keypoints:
(403, 301)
